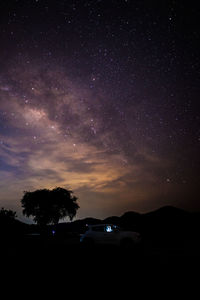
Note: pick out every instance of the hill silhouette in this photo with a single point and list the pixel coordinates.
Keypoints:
(169, 235)
(165, 225)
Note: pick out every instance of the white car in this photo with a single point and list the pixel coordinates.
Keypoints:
(108, 234)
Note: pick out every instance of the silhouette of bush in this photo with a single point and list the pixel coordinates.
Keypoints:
(7, 215)
(7, 223)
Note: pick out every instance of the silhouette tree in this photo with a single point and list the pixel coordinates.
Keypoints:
(49, 206)
(7, 215)
(7, 223)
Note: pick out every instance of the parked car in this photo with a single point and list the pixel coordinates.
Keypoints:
(109, 234)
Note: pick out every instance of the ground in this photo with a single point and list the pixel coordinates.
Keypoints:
(62, 266)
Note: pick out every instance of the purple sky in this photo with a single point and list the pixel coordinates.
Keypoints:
(100, 97)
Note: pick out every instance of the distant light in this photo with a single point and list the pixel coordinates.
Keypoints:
(53, 232)
(108, 229)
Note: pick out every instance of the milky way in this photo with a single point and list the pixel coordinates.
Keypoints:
(100, 97)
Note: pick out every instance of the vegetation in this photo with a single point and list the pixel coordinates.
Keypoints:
(49, 206)
(7, 215)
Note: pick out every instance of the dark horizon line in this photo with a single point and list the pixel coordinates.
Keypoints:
(129, 211)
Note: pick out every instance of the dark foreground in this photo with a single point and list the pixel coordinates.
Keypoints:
(32, 251)
(63, 267)
(168, 259)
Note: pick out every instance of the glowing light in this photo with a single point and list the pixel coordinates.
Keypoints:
(108, 228)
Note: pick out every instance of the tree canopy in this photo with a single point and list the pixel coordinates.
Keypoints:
(49, 206)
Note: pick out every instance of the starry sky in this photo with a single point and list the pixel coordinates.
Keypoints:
(101, 97)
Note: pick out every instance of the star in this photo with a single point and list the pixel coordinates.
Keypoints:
(100, 97)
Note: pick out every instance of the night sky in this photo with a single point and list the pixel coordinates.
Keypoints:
(101, 97)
